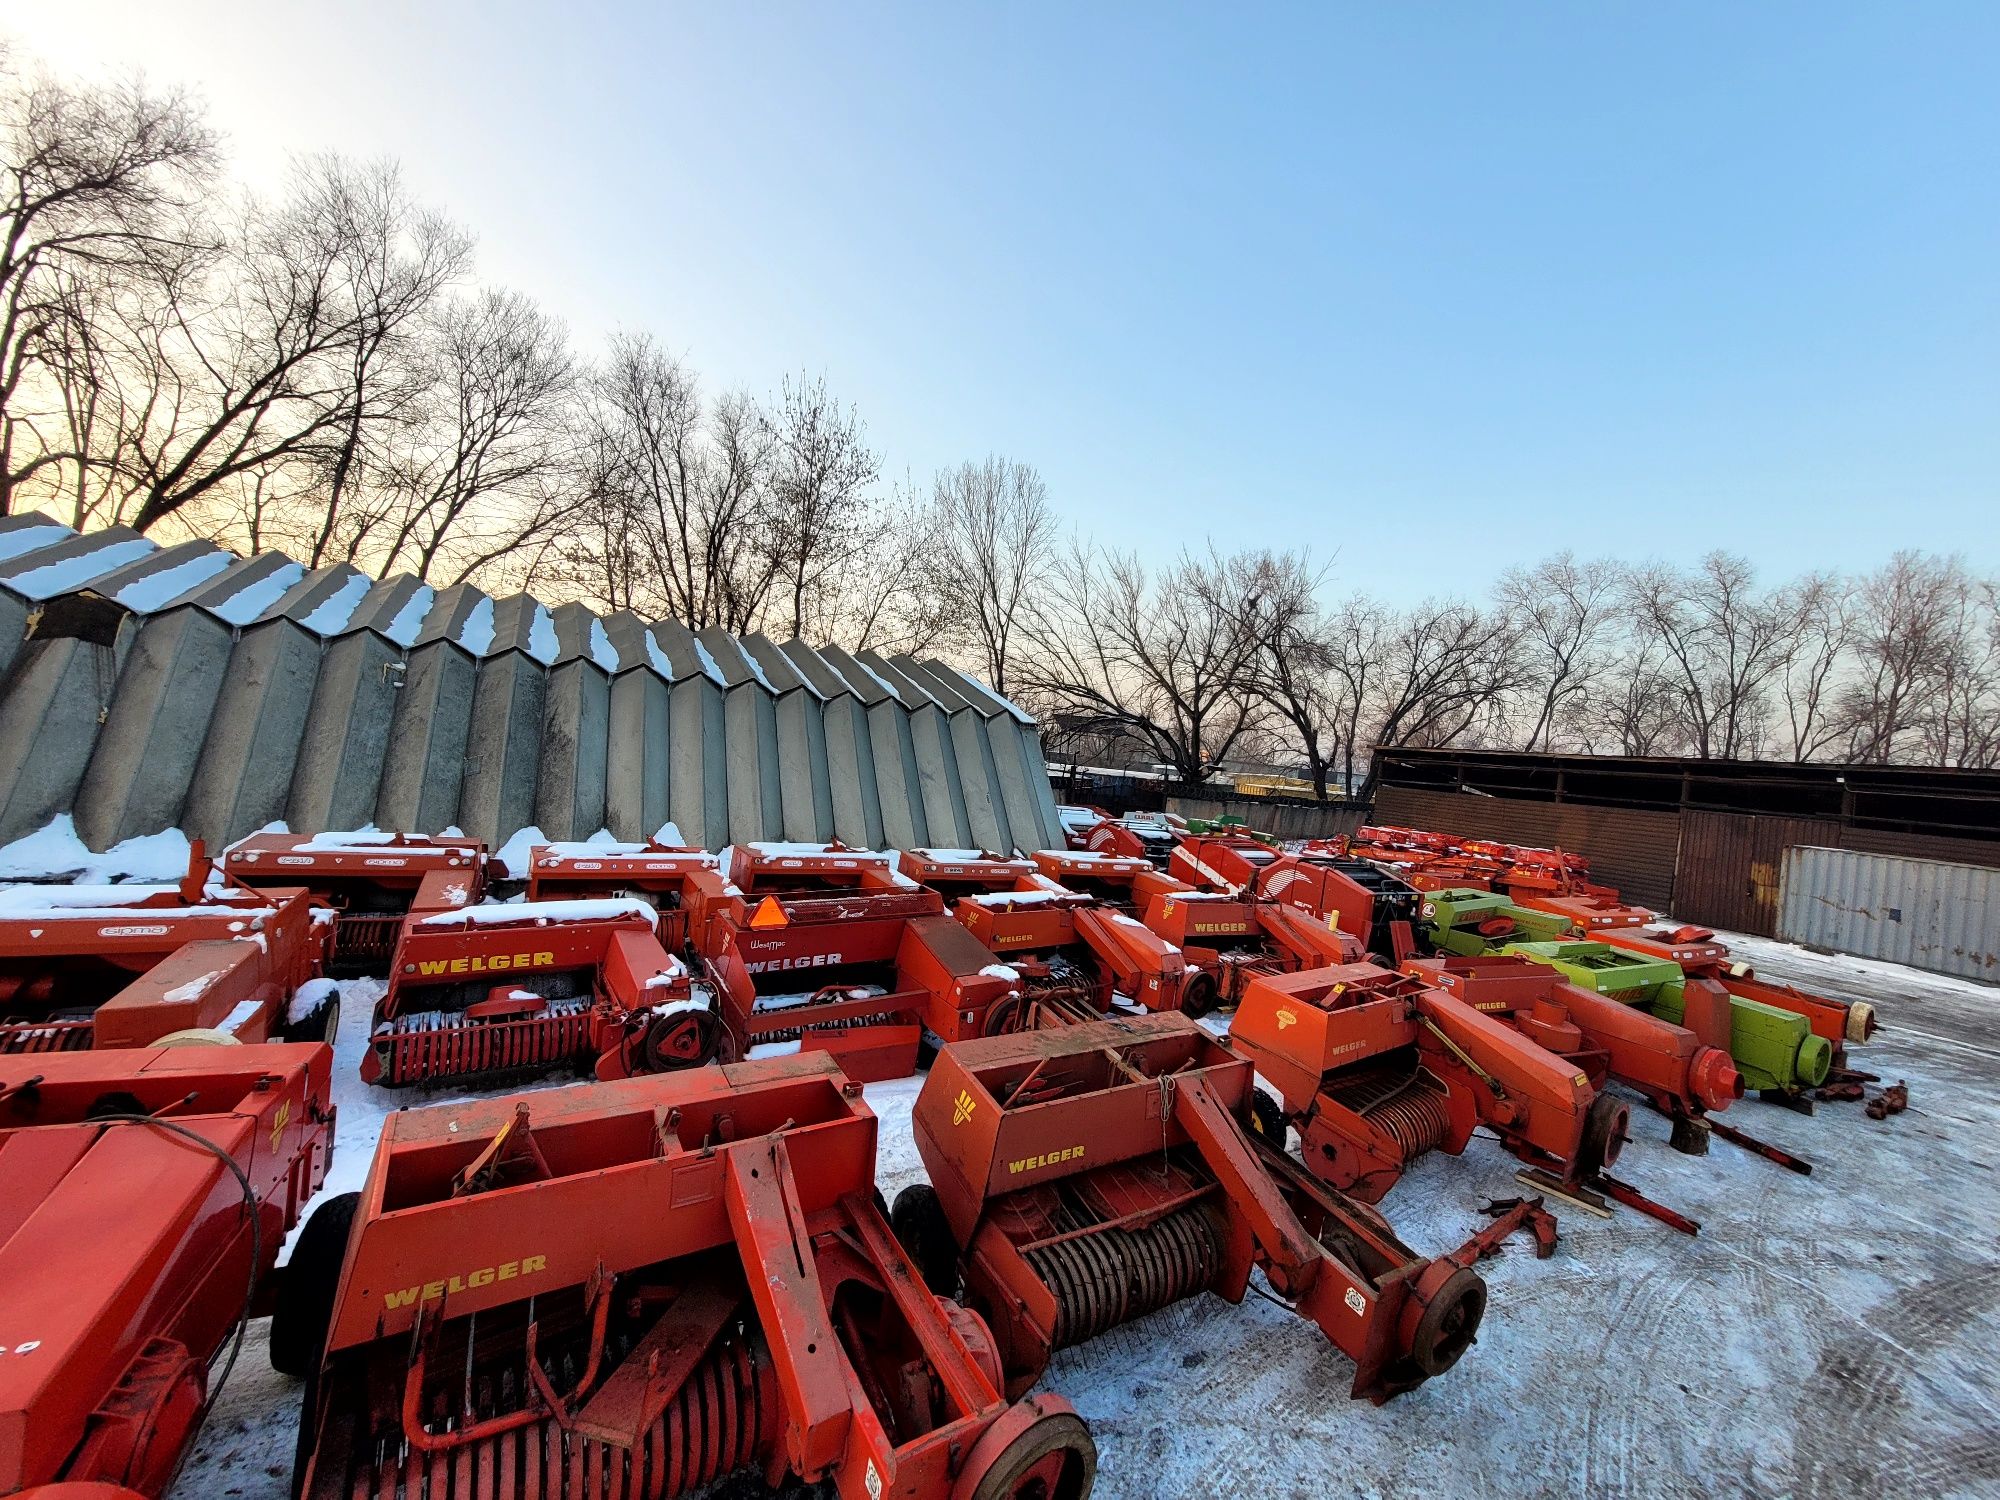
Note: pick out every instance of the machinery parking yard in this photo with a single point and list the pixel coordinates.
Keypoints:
(1822, 1335)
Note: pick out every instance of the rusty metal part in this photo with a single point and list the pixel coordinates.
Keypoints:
(1104, 1279)
(1631, 1197)
(725, 1415)
(1891, 1101)
(1508, 1215)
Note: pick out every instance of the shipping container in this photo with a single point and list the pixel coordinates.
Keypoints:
(1927, 913)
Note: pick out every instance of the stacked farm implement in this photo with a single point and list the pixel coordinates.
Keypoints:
(133, 965)
(883, 964)
(1065, 952)
(1088, 1175)
(366, 878)
(506, 1324)
(658, 874)
(144, 1194)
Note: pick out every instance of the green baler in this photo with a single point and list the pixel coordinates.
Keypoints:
(1773, 1049)
(1471, 922)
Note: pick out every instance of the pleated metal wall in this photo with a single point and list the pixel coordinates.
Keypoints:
(146, 687)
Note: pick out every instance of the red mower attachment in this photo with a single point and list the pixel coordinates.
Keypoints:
(824, 947)
(134, 965)
(527, 987)
(1089, 1175)
(1604, 1037)
(1065, 953)
(143, 1198)
(1375, 1068)
(638, 1288)
(368, 878)
(659, 874)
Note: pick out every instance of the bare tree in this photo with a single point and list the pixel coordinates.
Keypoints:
(1825, 633)
(1566, 615)
(272, 359)
(820, 509)
(99, 187)
(1292, 665)
(1162, 658)
(1907, 610)
(991, 539)
(476, 468)
(1721, 642)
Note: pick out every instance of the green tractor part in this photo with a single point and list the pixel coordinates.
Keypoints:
(1773, 1049)
(1471, 922)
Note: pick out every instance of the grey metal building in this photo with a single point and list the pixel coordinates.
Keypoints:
(146, 687)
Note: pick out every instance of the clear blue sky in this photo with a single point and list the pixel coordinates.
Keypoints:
(1443, 287)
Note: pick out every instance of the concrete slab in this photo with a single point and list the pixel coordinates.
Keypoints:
(570, 796)
(503, 751)
(423, 772)
(638, 756)
(52, 704)
(155, 724)
(699, 762)
(248, 760)
(750, 720)
(346, 737)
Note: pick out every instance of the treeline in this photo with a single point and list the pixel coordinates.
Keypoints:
(1253, 657)
(323, 373)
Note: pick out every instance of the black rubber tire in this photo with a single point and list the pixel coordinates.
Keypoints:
(1605, 1130)
(708, 1032)
(307, 1440)
(303, 1307)
(927, 1051)
(318, 1025)
(920, 1225)
(1199, 996)
(1450, 1323)
(1267, 1118)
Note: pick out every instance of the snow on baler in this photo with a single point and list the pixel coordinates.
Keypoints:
(143, 1197)
(1088, 1175)
(657, 873)
(130, 965)
(505, 1323)
(367, 877)
(526, 987)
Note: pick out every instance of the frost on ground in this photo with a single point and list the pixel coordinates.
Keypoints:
(1823, 1336)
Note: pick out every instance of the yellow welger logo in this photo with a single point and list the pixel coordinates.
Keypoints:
(1287, 1018)
(962, 1107)
(279, 1121)
(1046, 1159)
(490, 963)
(452, 1286)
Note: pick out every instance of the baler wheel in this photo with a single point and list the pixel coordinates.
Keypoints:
(685, 1039)
(1606, 1129)
(1267, 1118)
(1450, 1321)
(320, 1025)
(1199, 996)
(1038, 1450)
(304, 1304)
(920, 1225)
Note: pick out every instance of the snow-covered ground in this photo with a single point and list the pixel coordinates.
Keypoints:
(1826, 1336)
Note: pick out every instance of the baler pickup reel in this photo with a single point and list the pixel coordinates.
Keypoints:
(642, 1287)
(528, 987)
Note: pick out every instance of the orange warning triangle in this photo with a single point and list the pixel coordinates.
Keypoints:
(768, 914)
